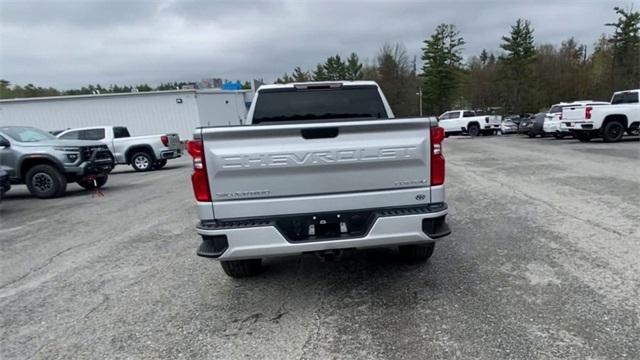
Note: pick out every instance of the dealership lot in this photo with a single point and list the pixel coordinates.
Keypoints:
(542, 263)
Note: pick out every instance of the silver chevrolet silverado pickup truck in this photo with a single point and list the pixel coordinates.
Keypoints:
(322, 167)
(143, 153)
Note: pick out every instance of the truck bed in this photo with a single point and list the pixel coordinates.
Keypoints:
(300, 168)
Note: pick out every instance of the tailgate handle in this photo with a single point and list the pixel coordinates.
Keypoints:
(319, 133)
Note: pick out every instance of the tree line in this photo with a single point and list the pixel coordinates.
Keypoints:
(520, 77)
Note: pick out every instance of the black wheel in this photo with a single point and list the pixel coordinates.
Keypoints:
(583, 136)
(613, 131)
(90, 185)
(141, 161)
(633, 130)
(531, 135)
(417, 252)
(474, 130)
(242, 268)
(160, 164)
(45, 182)
(557, 136)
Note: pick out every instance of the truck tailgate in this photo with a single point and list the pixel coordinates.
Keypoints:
(268, 170)
(573, 113)
(174, 141)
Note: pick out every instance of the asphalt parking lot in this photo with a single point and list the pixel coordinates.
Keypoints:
(542, 263)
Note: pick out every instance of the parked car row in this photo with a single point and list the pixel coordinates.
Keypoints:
(46, 163)
(582, 119)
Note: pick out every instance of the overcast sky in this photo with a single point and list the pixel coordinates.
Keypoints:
(68, 44)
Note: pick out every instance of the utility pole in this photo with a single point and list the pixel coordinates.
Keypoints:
(419, 93)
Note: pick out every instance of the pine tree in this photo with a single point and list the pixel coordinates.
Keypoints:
(516, 66)
(335, 68)
(285, 79)
(353, 67)
(484, 56)
(626, 49)
(300, 76)
(319, 74)
(442, 67)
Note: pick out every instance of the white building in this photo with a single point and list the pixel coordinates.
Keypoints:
(144, 113)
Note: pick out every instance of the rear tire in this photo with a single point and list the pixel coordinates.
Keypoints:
(416, 253)
(141, 161)
(45, 182)
(474, 130)
(89, 185)
(613, 131)
(583, 136)
(242, 268)
(531, 135)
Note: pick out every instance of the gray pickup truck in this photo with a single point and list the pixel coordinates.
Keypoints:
(143, 153)
(322, 167)
(46, 164)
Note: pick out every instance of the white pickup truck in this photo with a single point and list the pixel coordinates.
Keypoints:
(553, 124)
(143, 153)
(469, 122)
(321, 168)
(606, 121)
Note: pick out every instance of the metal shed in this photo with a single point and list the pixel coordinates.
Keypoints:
(144, 113)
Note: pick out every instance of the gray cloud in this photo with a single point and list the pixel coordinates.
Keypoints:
(71, 43)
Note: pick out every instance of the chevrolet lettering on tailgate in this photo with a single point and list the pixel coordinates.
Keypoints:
(318, 157)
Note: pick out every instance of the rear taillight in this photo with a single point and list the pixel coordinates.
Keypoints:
(587, 112)
(165, 140)
(199, 178)
(437, 159)
(560, 116)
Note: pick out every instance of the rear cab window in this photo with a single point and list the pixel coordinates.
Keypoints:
(628, 97)
(362, 102)
(556, 109)
(71, 135)
(91, 134)
(450, 115)
(468, 114)
(120, 132)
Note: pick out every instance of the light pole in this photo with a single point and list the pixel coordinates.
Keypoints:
(419, 93)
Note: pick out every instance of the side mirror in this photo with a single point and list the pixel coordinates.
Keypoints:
(4, 142)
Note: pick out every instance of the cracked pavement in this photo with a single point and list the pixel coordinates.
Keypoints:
(542, 263)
